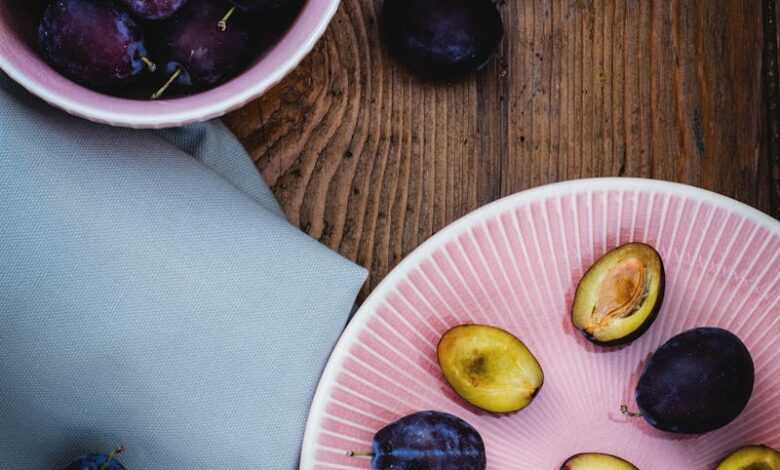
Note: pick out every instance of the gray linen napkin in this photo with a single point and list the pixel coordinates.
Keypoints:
(153, 295)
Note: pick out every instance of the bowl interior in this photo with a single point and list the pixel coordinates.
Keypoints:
(515, 264)
(20, 60)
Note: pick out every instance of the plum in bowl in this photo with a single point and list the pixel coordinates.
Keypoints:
(274, 56)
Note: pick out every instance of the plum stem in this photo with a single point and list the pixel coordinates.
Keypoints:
(359, 454)
(111, 457)
(222, 24)
(167, 84)
(630, 414)
(149, 64)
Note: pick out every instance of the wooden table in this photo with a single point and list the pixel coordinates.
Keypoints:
(372, 162)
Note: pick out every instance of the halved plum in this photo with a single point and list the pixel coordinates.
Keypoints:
(619, 297)
(489, 368)
(596, 461)
(751, 458)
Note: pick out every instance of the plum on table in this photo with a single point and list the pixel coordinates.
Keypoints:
(93, 43)
(430, 440)
(442, 39)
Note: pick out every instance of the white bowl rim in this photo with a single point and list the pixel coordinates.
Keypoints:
(452, 230)
(159, 120)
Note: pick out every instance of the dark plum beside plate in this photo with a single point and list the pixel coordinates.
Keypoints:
(698, 381)
(442, 39)
(430, 440)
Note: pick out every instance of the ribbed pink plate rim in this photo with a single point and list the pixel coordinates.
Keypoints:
(369, 308)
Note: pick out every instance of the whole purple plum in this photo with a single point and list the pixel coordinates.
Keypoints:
(196, 53)
(442, 39)
(430, 440)
(93, 43)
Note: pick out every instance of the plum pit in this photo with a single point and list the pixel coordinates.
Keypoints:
(619, 297)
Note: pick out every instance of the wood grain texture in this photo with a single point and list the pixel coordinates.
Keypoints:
(772, 92)
(372, 161)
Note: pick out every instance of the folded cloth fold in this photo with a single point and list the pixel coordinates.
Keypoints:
(152, 295)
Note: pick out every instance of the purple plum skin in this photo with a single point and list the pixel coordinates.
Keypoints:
(192, 41)
(94, 462)
(92, 43)
(442, 39)
(697, 382)
(430, 440)
(153, 9)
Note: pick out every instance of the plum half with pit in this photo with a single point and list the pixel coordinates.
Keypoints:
(197, 54)
(755, 457)
(620, 296)
(596, 461)
(489, 368)
(430, 440)
(696, 382)
(153, 9)
(93, 43)
(442, 39)
(97, 462)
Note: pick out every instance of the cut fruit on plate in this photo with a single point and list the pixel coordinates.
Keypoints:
(619, 297)
(596, 461)
(489, 368)
(752, 458)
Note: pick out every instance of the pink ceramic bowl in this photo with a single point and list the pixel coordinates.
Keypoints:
(19, 59)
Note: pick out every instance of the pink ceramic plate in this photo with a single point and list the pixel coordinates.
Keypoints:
(515, 264)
